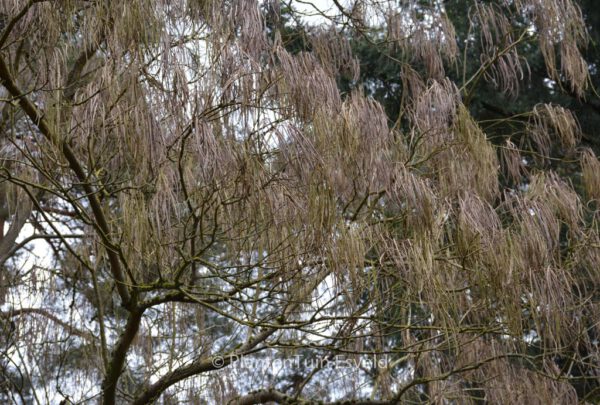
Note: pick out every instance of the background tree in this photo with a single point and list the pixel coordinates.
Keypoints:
(233, 205)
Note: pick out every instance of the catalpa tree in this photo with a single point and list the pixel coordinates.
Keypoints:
(201, 203)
